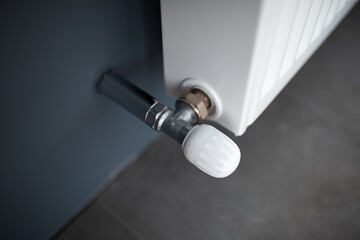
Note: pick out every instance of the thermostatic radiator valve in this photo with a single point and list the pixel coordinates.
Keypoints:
(204, 146)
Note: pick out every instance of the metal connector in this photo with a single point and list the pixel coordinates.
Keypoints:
(156, 115)
(204, 146)
(176, 123)
(199, 102)
(191, 109)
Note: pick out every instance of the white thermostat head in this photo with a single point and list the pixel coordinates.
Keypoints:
(211, 151)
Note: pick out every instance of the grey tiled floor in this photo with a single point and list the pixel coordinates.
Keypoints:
(299, 177)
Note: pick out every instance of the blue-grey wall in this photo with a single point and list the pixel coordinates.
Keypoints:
(60, 139)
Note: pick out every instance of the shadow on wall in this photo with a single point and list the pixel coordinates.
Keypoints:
(60, 139)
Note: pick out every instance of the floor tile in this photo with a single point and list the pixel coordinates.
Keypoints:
(96, 223)
(299, 178)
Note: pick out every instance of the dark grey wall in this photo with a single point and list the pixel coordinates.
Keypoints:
(59, 138)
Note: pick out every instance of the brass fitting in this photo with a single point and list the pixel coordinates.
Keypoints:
(199, 102)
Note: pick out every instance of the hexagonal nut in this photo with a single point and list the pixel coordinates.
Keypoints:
(201, 95)
(154, 114)
(197, 104)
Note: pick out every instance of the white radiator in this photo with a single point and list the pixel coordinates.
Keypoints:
(242, 53)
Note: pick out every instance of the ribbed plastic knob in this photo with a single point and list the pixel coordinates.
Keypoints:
(211, 151)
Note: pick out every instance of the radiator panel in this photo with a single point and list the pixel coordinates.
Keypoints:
(246, 51)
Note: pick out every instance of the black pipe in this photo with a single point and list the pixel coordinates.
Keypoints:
(126, 94)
